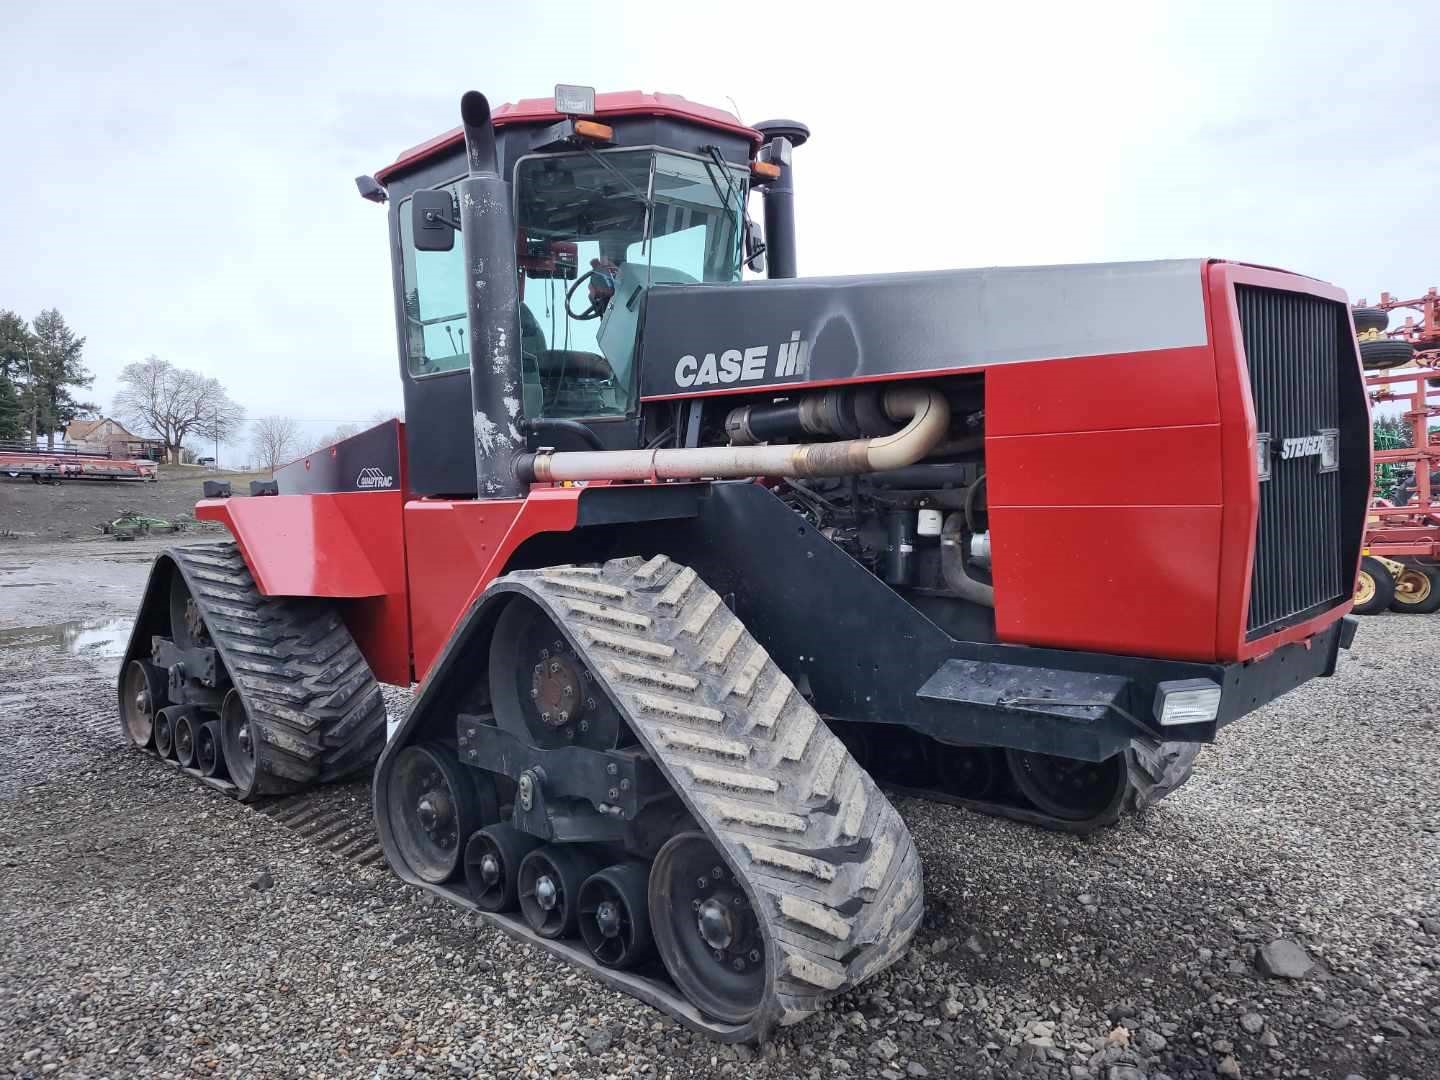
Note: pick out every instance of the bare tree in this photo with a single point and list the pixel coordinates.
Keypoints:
(171, 403)
(276, 440)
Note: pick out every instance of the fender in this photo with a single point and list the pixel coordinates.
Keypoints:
(348, 547)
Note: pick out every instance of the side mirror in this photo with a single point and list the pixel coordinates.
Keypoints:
(434, 220)
(754, 247)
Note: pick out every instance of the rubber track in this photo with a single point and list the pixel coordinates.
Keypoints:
(827, 860)
(1156, 769)
(311, 697)
(1153, 770)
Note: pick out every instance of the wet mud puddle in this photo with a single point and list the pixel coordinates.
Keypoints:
(97, 639)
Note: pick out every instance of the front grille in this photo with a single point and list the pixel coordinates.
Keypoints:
(1294, 345)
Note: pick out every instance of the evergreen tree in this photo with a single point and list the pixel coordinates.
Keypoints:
(59, 368)
(12, 417)
(17, 355)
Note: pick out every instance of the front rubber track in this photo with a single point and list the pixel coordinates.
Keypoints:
(314, 705)
(824, 857)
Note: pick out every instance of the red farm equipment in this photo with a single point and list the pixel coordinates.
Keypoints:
(1400, 570)
(691, 569)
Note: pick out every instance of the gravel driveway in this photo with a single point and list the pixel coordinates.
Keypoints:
(149, 927)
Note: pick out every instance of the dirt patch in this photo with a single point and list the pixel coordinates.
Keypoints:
(76, 508)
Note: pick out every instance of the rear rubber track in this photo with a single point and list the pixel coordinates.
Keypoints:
(827, 861)
(315, 710)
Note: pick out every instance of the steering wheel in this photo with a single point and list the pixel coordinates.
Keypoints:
(591, 312)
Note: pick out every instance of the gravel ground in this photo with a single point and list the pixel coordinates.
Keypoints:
(149, 927)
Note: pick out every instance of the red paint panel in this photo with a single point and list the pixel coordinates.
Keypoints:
(456, 548)
(347, 546)
(1105, 496)
(1117, 579)
(1165, 388)
(1161, 466)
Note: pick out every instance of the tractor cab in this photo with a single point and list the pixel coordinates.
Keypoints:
(610, 194)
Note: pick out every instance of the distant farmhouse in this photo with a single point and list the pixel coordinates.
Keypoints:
(111, 439)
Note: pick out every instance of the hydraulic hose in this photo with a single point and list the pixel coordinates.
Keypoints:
(952, 564)
(924, 412)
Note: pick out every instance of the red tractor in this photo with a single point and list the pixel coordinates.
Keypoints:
(691, 569)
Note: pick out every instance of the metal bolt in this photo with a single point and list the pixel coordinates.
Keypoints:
(717, 873)
(584, 725)
(474, 753)
(754, 956)
(612, 768)
(534, 693)
(559, 646)
(739, 901)
(567, 691)
(554, 667)
(625, 784)
(703, 883)
(544, 654)
(564, 715)
(539, 669)
(613, 794)
(738, 964)
(589, 702)
(719, 955)
(545, 716)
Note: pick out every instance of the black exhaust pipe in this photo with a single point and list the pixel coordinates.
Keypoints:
(492, 291)
(779, 197)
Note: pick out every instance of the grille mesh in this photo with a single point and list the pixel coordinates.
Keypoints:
(1293, 349)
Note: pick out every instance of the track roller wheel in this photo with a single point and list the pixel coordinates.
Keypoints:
(142, 694)
(1417, 592)
(208, 758)
(1068, 788)
(492, 866)
(436, 804)
(237, 742)
(165, 733)
(184, 739)
(550, 880)
(1374, 587)
(615, 915)
(967, 772)
(707, 934)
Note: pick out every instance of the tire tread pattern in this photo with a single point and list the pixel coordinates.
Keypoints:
(313, 702)
(829, 863)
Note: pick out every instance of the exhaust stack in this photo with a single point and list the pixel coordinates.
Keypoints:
(492, 292)
(779, 195)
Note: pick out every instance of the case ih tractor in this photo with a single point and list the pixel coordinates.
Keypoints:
(690, 569)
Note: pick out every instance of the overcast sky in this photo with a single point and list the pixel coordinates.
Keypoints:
(179, 178)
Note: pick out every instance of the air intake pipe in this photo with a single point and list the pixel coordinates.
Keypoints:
(493, 296)
(924, 413)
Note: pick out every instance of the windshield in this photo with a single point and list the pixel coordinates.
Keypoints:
(595, 229)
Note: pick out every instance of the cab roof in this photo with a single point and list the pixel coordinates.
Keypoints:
(542, 110)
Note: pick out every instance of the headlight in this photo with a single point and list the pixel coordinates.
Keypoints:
(1187, 701)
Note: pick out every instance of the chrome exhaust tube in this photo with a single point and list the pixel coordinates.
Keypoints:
(924, 412)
